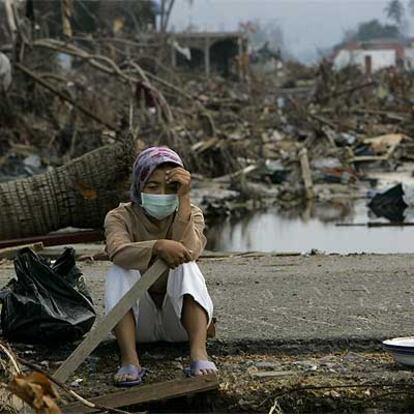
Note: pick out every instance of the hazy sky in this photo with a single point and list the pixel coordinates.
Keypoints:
(307, 24)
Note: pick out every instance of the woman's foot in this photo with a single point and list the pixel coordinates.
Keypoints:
(201, 367)
(195, 320)
(129, 375)
(130, 371)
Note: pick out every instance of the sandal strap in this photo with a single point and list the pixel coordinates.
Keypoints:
(203, 364)
(132, 370)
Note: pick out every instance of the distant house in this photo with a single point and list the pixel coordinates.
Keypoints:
(221, 52)
(374, 55)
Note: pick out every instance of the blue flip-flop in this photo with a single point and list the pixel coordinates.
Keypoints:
(198, 365)
(137, 373)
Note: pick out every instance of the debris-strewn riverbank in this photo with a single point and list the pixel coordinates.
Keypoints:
(283, 323)
(251, 143)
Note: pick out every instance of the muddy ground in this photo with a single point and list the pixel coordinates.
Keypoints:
(283, 323)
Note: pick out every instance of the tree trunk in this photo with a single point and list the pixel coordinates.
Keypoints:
(8, 4)
(78, 194)
(67, 7)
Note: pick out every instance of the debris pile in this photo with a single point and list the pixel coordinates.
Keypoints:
(308, 134)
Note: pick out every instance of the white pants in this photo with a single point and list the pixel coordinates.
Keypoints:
(154, 324)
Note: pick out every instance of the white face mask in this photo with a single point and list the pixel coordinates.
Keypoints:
(159, 206)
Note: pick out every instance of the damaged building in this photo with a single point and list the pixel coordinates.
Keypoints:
(221, 52)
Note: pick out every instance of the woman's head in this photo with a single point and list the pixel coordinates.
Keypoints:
(149, 172)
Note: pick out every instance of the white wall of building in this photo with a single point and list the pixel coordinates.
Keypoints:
(380, 58)
(409, 58)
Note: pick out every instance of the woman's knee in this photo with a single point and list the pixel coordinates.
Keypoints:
(120, 277)
(116, 270)
(188, 270)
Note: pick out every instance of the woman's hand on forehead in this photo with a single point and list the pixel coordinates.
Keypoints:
(180, 176)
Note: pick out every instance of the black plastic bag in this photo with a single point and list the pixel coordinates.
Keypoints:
(47, 303)
(389, 204)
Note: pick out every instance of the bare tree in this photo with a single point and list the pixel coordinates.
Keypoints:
(395, 11)
(166, 9)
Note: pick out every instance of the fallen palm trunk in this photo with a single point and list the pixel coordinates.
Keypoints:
(78, 194)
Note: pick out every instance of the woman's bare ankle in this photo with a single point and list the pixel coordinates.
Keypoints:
(133, 360)
(198, 354)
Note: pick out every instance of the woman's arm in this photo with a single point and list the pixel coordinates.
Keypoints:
(189, 230)
(121, 250)
(188, 225)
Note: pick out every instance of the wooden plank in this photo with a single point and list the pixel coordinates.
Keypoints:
(111, 319)
(368, 158)
(226, 178)
(375, 224)
(57, 239)
(148, 393)
(306, 173)
(10, 252)
(82, 250)
(11, 21)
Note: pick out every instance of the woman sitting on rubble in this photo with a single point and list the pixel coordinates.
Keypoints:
(160, 222)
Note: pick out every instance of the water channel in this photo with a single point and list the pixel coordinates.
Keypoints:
(315, 227)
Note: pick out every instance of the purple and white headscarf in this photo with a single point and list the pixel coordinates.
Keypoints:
(145, 164)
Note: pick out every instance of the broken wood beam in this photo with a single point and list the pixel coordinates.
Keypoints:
(10, 252)
(368, 158)
(95, 337)
(57, 239)
(306, 173)
(148, 393)
(64, 96)
(323, 120)
(11, 19)
(67, 8)
(375, 224)
(350, 90)
(228, 177)
(393, 116)
(83, 252)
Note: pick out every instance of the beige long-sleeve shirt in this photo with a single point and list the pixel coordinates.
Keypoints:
(131, 235)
